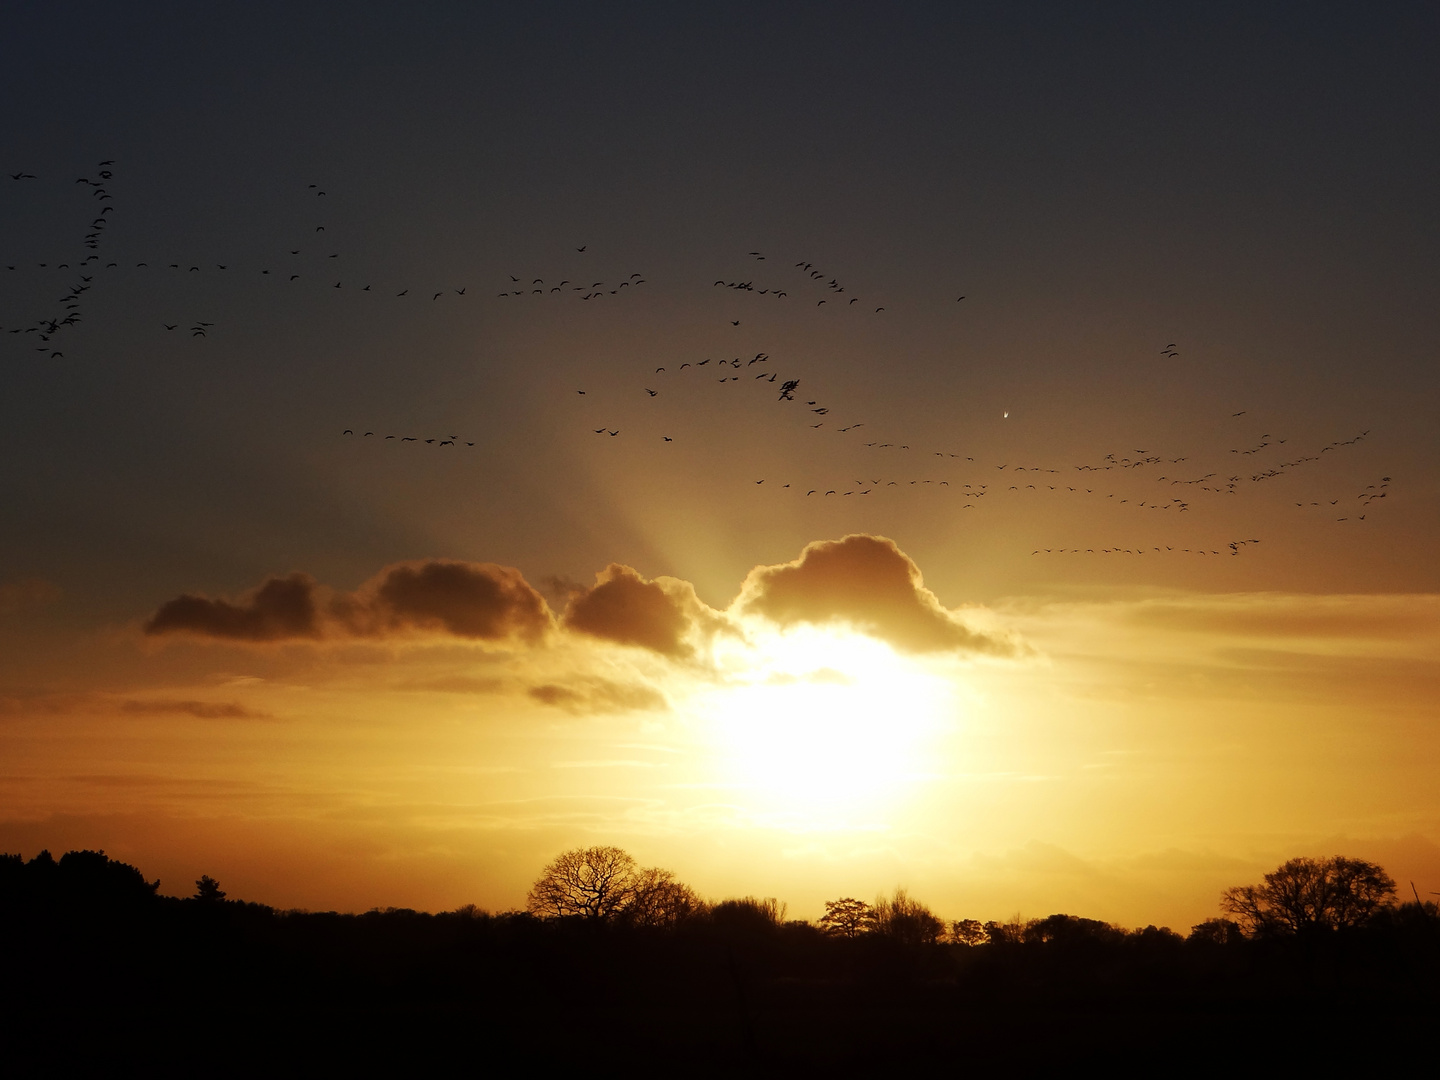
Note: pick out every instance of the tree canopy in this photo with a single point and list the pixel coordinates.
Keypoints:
(1305, 895)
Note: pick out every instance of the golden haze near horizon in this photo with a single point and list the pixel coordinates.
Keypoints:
(963, 453)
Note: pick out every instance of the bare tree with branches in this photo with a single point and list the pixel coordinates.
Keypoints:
(846, 917)
(1311, 894)
(591, 883)
(658, 898)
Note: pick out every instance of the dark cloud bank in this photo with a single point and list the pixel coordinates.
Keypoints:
(863, 582)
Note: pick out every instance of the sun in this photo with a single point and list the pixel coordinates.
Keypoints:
(823, 727)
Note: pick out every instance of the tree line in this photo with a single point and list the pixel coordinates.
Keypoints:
(605, 945)
(1303, 896)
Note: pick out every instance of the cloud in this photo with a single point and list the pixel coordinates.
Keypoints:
(472, 601)
(866, 582)
(454, 684)
(1398, 617)
(36, 705)
(478, 601)
(862, 581)
(599, 696)
(663, 615)
(281, 609)
(204, 710)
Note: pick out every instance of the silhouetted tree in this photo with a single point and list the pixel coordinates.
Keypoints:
(906, 920)
(749, 913)
(1006, 933)
(1311, 894)
(208, 889)
(1217, 932)
(967, 932)
(94, 876)
(846, 917)
(1069, 929)
(592, 883)
(658, 899)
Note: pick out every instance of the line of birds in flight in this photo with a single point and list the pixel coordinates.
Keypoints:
(735, 369)
(47, 326)
(1210, 482)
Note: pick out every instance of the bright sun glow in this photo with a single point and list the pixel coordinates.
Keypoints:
(819, 726)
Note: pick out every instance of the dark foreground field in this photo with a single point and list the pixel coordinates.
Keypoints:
(100, 973)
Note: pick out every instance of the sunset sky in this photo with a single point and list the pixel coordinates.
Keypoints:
(987, 449)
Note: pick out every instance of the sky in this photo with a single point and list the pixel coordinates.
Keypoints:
(984, 449)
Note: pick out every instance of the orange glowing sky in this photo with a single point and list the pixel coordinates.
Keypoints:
(1100, 589)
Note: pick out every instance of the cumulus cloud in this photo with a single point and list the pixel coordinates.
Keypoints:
(862, 581)
(664, 615)
(479, 601)
(281, 609)
(474, 601)
(868, 583)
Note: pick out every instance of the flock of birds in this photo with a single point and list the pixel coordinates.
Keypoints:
(68, 310)
(315, 262)
(298, 264)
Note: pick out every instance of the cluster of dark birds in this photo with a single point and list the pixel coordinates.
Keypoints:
(594, 291)
(749, 286)
(785, 391)
(306, 262)
(1286, 465)
(1366, 498)
(1139, 460)
(49, 327)
(833, 286)
(437, 441)
(813, 275)
(1234, 547)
